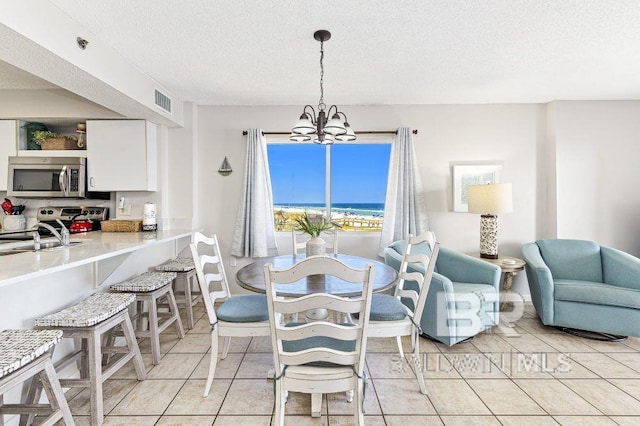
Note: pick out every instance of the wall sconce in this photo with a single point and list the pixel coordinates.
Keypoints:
(225, 168)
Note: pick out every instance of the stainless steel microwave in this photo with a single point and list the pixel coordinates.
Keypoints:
(47, 177)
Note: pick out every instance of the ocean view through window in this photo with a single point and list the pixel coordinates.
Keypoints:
(351, 178)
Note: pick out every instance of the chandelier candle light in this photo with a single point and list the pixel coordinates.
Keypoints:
(489, 200)
(320, 129)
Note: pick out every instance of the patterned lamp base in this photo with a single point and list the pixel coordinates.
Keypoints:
(489, 236)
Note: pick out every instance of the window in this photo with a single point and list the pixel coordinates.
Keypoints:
(350, 178)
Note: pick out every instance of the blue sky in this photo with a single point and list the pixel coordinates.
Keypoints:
(359, 172)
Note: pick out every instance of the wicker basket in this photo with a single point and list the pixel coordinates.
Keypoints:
(121, 225)
(59, 143)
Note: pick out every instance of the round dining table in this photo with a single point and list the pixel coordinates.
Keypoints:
(251, 277)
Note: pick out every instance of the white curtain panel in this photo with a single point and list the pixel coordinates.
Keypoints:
(255, 234)
(405, 211)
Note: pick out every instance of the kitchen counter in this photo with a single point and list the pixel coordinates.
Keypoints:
(35, 284)
(96, 246)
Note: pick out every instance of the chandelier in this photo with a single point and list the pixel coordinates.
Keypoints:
(321, 129)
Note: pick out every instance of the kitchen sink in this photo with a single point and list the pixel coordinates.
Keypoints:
(52, 245)
(15, 251)
(45, 246)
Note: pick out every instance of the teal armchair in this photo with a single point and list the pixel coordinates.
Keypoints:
(463, 296)
(581, 285)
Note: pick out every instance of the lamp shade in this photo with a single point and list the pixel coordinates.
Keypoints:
(492, 198)
(304, 126)
(347, 137)
(299, 138)
(335, 126)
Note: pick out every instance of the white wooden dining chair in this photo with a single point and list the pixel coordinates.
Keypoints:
(318, 357)
(236, 316)
(330, 237)
(392, 318)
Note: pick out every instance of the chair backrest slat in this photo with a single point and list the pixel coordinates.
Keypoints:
(321, 328)
(423, 279)
(317, 356)
(305, 303)
(209, 269)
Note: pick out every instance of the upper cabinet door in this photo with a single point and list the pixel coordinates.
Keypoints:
(121, 155)
(8, 147)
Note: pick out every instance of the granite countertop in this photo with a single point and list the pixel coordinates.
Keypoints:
(95, 246)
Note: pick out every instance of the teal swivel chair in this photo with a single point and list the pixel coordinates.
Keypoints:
(463, 296)
(584, 288)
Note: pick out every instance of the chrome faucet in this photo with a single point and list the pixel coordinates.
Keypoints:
(62, 236)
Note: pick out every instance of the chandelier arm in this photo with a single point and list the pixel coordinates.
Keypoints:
(342, 114)
(312, 115)
(335, 111)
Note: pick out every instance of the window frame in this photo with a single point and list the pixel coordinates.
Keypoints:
(371, 139)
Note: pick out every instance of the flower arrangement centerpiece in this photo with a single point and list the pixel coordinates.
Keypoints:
(314, 227)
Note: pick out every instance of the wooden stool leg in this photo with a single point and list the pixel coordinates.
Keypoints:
(174, 308)
(188, 303)
(55, 394)
(154, 333)
(33, 396)
(130, 337)
(110, 341)
(84, 359)
(139, 317)
(95, 378)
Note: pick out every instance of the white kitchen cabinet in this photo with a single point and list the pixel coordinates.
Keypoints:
(121, 155)
(8, 147)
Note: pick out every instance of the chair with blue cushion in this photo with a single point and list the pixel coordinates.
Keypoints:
(392, 318)
(319, 357)
(463, 298)
(584, 288)
(236, 316)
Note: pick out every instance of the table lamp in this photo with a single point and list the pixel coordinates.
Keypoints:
(489, 200)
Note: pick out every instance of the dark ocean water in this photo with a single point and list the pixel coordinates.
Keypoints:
(358, 209)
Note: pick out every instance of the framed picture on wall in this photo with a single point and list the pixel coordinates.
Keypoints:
(471, 174)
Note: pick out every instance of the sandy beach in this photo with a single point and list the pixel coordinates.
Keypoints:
(285, 219)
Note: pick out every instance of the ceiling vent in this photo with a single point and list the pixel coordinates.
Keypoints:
(163, 101)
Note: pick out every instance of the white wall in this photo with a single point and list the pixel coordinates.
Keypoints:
(51, 103)
(598, 146)
(447, 134)
(573, 166)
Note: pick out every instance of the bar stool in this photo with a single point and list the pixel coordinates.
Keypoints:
(89, 320)
(24, 355)
(183, 284)
(150, 287)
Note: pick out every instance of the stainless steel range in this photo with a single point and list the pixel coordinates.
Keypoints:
(68, 214)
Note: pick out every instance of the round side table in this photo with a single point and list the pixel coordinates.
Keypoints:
(510, 267)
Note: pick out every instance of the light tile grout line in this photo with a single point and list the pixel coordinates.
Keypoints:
(442, 350)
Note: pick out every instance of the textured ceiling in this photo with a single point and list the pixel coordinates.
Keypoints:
(244, 52)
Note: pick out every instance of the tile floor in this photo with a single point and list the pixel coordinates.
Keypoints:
(527, 374)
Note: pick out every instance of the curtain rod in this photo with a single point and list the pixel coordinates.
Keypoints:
(365, 132)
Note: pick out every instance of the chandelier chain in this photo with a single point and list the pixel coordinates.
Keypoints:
(321, 104)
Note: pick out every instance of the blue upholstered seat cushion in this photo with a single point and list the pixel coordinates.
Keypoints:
(596, 293)
(385, 307)
(249, 308)
(318, 341)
